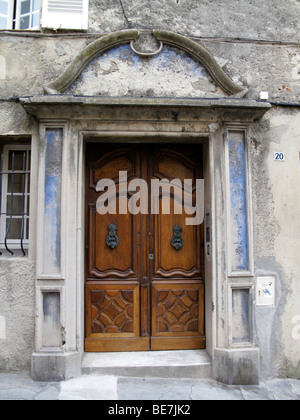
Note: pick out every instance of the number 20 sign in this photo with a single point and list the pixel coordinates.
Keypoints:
(279, 156)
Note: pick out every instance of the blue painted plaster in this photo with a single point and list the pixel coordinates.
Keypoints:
(121, 72)
(52, 209)
(238, 198)
(165, 59)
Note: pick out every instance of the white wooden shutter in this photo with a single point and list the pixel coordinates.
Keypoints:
(65, 14)
(6, 14)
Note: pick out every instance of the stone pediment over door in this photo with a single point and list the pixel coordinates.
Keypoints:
(143, 64)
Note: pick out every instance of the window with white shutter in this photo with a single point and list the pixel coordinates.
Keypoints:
(65, 14)
(56, 14)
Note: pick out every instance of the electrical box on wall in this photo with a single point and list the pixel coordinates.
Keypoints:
(265, 291)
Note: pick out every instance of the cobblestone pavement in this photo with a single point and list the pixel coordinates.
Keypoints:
(95, 387)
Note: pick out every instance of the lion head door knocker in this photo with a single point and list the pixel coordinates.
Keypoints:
(177, 240)
(112, 239)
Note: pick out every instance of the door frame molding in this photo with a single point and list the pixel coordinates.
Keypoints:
(171, 137)
(140, 342)
(142, 120)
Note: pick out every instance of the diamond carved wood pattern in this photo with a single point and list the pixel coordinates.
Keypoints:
(112, 311)
(177, 310)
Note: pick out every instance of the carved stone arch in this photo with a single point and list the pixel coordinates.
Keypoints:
(90, 52)
(201, 55)
(108, 42)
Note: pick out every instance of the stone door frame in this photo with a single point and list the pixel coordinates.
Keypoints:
(222, 126)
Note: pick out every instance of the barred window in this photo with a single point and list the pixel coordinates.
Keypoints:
(14, 198)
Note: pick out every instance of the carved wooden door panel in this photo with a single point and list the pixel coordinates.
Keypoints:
(177, 269)
(114, 249)
(144, 287)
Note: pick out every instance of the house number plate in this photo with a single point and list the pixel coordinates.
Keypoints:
(279, 156)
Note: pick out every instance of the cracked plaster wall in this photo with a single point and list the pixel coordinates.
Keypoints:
(31, 63)
(243, 18)
(262, 54)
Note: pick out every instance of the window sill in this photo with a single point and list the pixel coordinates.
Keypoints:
(44, 32)
(16, 31)
(17, 253)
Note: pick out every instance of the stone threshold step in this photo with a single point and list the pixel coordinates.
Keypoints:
(155, 364)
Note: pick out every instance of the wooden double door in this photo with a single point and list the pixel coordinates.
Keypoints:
(144, 272)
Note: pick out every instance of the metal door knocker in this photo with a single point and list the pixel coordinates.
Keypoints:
(177, 240)
(112, 239)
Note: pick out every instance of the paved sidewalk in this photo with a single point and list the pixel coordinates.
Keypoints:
(95, 387)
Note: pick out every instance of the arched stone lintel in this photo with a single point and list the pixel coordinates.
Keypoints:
(90, 52)
(201, 55)
(110, 41)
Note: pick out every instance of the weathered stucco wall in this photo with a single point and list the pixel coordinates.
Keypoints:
(254, 42)
(221, 18)
(17, 314)
(257, 46)
(120, 72)
(277, 239)
(31, 63)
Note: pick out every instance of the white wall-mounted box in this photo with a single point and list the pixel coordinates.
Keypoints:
(265, 291)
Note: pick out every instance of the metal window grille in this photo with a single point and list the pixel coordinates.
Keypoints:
(14, 198)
